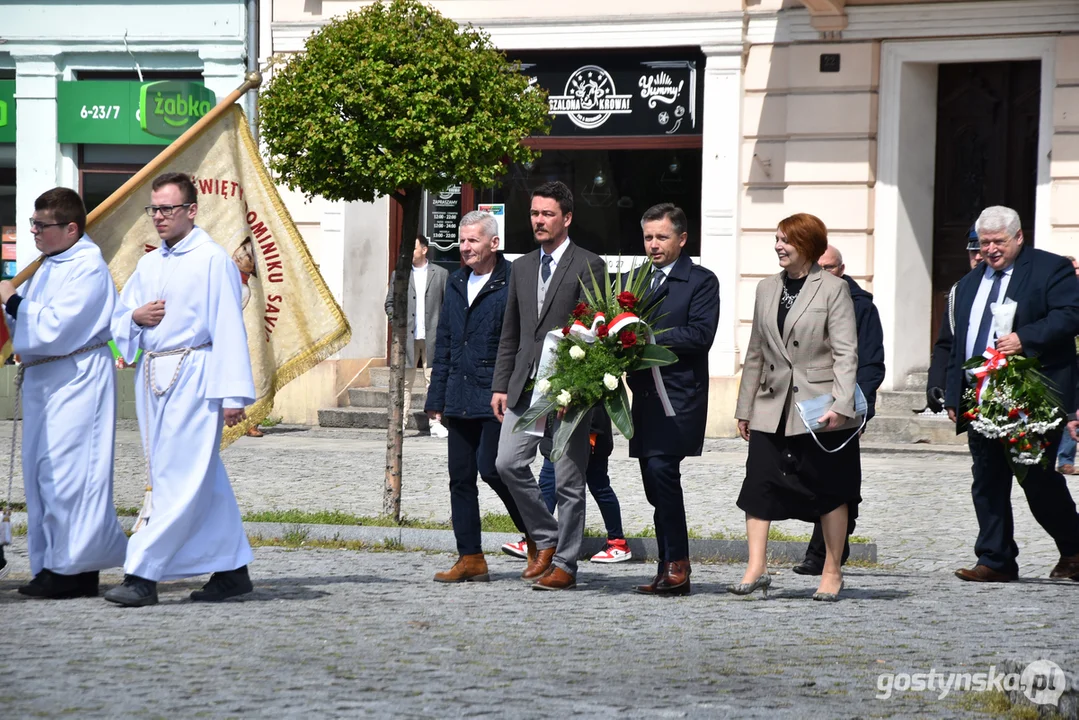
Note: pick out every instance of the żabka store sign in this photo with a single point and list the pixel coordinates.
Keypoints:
(620, 94)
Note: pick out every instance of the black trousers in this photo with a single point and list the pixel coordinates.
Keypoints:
(663, 487)
(472, 447)
(1047, 495)
(816, 552)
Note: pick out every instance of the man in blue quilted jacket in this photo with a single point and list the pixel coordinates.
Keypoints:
(459, 395)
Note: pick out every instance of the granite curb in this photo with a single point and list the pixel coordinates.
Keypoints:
(643, 548)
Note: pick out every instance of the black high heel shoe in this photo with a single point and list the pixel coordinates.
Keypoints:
(763, 582)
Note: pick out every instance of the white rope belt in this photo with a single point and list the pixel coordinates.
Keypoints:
(150, 385)
(5, 521)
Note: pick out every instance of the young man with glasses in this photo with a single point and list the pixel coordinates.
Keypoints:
(182, 308)
(60, 330)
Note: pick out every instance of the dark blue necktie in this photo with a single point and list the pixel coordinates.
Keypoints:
(982, 338)
(658, 276)
(545, 268)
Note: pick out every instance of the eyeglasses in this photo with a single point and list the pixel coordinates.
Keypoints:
(37, 226)
(995, 242)
(165, 210)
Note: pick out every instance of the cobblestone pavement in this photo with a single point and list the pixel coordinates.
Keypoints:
(343, 634)
(334, 633)
(917, 507)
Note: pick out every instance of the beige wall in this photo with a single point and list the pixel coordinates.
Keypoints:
(494, 11)
(1064, 167)
(810, 146)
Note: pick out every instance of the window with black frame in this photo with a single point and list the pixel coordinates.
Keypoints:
(611, 189)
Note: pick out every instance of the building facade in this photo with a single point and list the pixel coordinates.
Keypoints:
(895, 122)
(72, 82)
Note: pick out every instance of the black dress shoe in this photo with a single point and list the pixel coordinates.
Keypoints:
(54, 586)
(807, 567)
(135, 592)
(89, 582)
(224, 585)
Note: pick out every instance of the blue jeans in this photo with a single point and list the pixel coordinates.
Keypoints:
(599, 484)
(1066, 454)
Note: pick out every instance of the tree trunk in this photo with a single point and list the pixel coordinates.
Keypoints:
(410, 222)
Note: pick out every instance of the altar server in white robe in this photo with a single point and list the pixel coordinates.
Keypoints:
(182, 307)
(60, 330)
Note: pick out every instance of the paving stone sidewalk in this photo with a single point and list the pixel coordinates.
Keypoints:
(334, 633)
(917, 507)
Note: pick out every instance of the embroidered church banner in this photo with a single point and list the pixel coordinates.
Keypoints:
(292, 320)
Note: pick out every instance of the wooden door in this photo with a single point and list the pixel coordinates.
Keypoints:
(987, 154)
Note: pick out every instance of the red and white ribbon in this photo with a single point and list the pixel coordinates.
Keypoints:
(995, 360)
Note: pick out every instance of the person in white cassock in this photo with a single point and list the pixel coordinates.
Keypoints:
(60, 330)
(182, 307)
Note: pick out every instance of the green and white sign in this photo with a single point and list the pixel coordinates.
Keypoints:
(121, 112)
(7, 111)
(168, 108)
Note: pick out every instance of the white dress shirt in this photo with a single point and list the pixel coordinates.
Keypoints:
(419, 279)
(555, 257)
(978, 308)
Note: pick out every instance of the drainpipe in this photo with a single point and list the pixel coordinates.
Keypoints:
(252, 64)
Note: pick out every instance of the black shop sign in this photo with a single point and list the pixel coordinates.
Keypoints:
(618, 94)
(443, 214)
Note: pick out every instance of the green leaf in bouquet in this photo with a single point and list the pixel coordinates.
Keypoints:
(655, 356)
(618, 409)
(564, 429)
(534, 413)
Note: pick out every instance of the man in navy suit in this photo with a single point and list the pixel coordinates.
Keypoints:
(1046, 292)
(687, 296)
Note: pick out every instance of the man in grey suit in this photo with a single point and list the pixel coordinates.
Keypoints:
(544, 289)
(424, 307)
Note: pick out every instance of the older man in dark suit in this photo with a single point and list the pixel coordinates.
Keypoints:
(544, 289)
(1046, 293)
(688, 300)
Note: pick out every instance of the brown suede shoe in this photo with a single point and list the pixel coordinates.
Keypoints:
(1066, 469)
(468, 568)
(676, 580)
(1067, 568)
(981, 573)
(555, 579)
(650, 588)
(254, 431)
(540, 565)
(530, 550)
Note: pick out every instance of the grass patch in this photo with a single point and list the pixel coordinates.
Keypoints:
(128, 511)
(777, 535)
(498, 523)
(996, 703)
(269, 422)
(336, 517)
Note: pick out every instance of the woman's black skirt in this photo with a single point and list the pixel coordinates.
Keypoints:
(792, 478)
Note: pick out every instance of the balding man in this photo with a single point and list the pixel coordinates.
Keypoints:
(870, 376)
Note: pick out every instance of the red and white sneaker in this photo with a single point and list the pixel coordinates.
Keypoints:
(615, 551)
(516, 549)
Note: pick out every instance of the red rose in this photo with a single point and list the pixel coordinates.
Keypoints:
(628, 338)
(565, 331)
(627, 300)
(969, 415)
(602, 331)
(1013, 441)
(1013, 414)
(580, 311)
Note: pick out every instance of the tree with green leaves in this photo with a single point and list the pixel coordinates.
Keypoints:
(391, 101)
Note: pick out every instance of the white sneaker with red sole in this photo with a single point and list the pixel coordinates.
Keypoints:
(516, 549)
(615, 551)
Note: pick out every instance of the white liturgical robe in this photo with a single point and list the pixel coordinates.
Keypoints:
(69, 413)
(194, 525)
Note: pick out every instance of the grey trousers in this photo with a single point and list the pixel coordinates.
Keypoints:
(516, 452)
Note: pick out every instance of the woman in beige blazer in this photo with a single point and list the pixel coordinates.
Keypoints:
(803, 344)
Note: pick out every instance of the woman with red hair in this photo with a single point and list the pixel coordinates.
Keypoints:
(803, 345)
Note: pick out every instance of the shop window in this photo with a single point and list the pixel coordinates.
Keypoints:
(611, 189)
